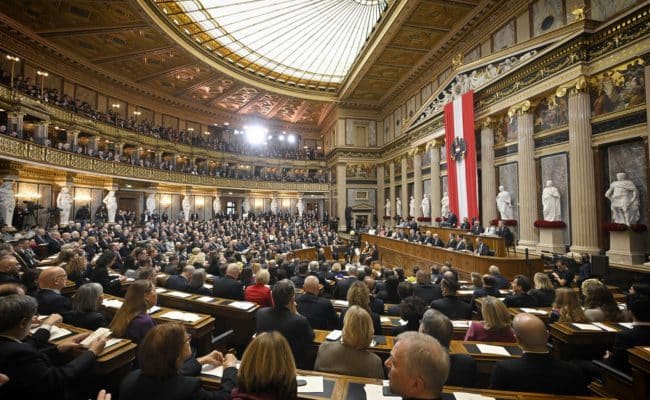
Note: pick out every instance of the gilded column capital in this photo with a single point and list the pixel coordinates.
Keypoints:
(575, 86)
(457, 61)
(521, 108)
(488, 123)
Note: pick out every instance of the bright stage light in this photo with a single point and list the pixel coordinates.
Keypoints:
(292, 139)
(281, 138)
(256, 134)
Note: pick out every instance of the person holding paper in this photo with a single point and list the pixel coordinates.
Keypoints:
(349, 356)
(33, 374)
(495, 326)
(537, 370)
(267, 370)
(162, 352)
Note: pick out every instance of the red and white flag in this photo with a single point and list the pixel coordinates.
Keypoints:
(462, 177)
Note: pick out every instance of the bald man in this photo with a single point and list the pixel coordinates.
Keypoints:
(318, 311)
(536, 370)
(229, 287)
(50, 299)
(418, 367)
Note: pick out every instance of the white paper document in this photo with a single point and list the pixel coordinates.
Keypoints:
(55, 332)
(605, 327)
(100, 333)
(471, 396)
(207, 285)
(341, 303)
(112, 303)
(112, 341)
(402, 322)
(153, 309)
(627, 325)
(178, 294)
(464, 292)
(376, 392)
(533, 311)
(181, 316)
(160, 290)
(314, 384)
(205, 299)
(334, 335)
(242, 305)
(208, 369)
(460, 324)
(491, 349)
(385, 320)
(587, 327)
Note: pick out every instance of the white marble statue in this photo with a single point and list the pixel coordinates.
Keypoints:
(624, 198)
(110, 201)
(551, 207)
(425, 205)
(216, 205)
(387, 208)
(7, 202)
(444, 205)
(64, 202)
(150, 203)
(504, 203)
(186, 206)
(412, 207)
(300, 206)
(398, 207)
(274, 206)
(246, 205)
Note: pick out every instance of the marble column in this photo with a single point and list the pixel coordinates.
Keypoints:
(341, 195)
(527, 181)
(15, 123)
(72, 138)
(391, 172)
(405, 193)
(379, 207)
(584, 223)
(41, 135)
(417, 183)
(92, 144)
(119, 150)
(488, 175)
(158, 158)
(436, 194)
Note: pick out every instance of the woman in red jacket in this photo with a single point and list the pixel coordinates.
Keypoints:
(260, 292)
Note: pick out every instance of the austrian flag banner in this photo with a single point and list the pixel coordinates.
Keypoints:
(462, 177)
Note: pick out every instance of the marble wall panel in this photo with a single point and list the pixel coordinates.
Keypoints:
(556, 168)
(629, 158)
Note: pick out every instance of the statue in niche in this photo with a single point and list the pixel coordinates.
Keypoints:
(387, 208)
(504, 203)
(186, 206)
(425, 205)
(551, 207)
(64, 202)
(412, 207)
(444, 205)
(216, 205)
(246, 206)
(150, 203)
(300, 206)
(110, 201)
(624, 198)
(274, 206)
(7, 202)
(398, 207)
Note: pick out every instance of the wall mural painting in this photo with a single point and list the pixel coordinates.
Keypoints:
(361, 171)
(618, 88)
(426, 159)
(551, 112)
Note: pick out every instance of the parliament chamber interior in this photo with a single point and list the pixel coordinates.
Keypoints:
(331, 199)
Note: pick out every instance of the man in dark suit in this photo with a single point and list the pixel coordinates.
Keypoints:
(452, 219)
(504, 232)
(436, 241)
(639, 306)
(450, 304)
(50, 300)
(299, 279)
(9, 269)
(520, 298)
(537, 370)
(376, 304)
(477, 229)
(500, 282)
(482, 249)
(343, 284)
(462, 367)
(229, 287)
(284, 318)
(31, 372)
(463, 244)
(424, 289)
(182, 281)
(452, 243)
(318, 310)
(404, 291)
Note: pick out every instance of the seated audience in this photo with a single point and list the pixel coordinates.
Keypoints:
(32, 373)
(424, 289)
(284, 318)
(411, 310)
(85, 303)
(267, 370)
(319, 311)
(537, 370)
(404, 290)
(418, 367)
(520, 296)
(500, 281)
(566, 307)
(343, 285)
(358, 295)
(350, 356)
(487, 288)
(100, 274)
(376, 304)
(9, 269)
(601, 306)
(584, 272)
(450, 305)
(132, 321)
(50, 299)
(74, 263)
(161, 354)
(197, 283)
(228, 286)
(544, 292)
(462, 367)
(639, 306)
(389, 291)
(562, 276)
(495, 326)
(182, 281)
(260, 292)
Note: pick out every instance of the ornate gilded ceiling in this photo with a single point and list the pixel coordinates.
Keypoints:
(123, 38)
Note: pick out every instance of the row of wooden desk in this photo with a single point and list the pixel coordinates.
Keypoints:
(495, 243)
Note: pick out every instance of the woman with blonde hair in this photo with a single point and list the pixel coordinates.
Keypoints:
(349, 356)
(544, 292)
(267, 370)
(359, 295)
(566, 307)
(496, 325)
(260, 292)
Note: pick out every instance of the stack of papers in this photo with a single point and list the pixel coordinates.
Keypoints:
(112, 303)
(178, 294)
(55, 332)
(314, 384)
(242, 305)
(100, 333)
(587, 327)
(491, 349)
(376, 392)
(533, 311)
(460, 324)
(181, 316)
(205, 299)
(471, 396)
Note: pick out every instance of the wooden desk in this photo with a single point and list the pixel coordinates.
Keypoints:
(382, 350)
(388, 322)
(308, 254)
(495, 243)
(200, 330)
(639, 360)
(395, 253)
(229, 317)
(544, 317)
(570, 342)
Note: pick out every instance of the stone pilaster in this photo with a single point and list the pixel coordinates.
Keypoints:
(404, 195)
(488, 175)
(341, 195)
(92, 143)
(527, 181)
(72, 138)
(391, 172)
(41, 135)
(417, 183)
(380, 194)
(435, 182)
(15, 123)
